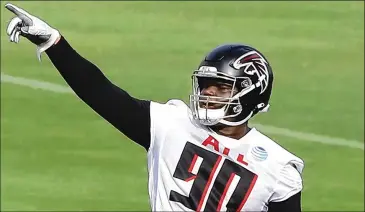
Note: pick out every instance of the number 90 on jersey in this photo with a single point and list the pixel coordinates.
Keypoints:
(214, 189)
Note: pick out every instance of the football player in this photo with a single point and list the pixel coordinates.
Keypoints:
(201, 157)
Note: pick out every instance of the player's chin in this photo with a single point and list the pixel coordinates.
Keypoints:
(210, 105)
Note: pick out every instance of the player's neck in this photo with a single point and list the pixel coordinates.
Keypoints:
(235, 132)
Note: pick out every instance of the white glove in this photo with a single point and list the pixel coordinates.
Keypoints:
(31, 27)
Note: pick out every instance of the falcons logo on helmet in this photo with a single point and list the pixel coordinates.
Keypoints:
(254, 63)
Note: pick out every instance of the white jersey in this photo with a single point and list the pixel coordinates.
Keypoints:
(191, 168)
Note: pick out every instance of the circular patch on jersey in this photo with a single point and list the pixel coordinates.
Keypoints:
(259, 153)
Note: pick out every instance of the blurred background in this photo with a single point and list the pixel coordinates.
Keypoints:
(57, 154)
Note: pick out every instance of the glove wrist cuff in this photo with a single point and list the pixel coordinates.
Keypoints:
(46, 45)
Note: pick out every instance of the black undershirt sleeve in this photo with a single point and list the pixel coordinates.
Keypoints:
(292, 204)
(129, 115)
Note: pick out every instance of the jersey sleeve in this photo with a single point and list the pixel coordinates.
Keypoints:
(289, 182)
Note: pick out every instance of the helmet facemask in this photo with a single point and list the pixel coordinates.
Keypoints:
(231, 105)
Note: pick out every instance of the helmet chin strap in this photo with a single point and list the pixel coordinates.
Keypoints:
(229, 123)
(265, 109)
(262, 110)
(212, 117)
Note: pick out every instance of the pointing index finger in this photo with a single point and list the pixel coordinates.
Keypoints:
(22, 14)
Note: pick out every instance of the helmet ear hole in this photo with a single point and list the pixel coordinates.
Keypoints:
(245, 83)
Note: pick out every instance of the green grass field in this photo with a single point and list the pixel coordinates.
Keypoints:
(57, 154)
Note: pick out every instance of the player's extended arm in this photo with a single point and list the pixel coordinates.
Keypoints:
(129, 115)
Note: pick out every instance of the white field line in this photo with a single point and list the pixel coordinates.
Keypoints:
(37, 84)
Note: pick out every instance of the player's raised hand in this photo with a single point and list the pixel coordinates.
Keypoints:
(34, 29)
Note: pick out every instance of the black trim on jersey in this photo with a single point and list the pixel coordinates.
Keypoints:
(290, 205)
(129, 115)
